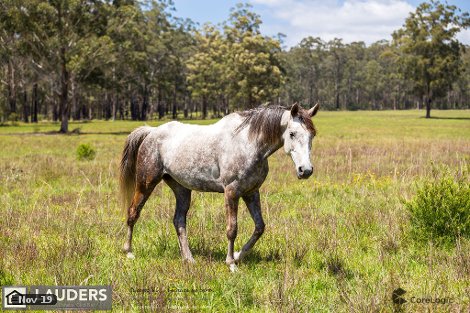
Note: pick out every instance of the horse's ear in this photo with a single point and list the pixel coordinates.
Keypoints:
(314, 110)
(294, 110)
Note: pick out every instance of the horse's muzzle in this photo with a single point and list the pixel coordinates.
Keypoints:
(304, 172)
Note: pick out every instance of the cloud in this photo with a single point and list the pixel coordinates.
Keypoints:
(351, 20)
(464, 36)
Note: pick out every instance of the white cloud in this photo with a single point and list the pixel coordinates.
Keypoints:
(464, 36)
(351, 20)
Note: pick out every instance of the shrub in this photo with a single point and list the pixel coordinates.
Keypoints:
(13, 118)
(85, 152)
(440, 211)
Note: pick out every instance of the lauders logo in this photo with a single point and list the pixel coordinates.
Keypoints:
(57, 297)
(12, 297)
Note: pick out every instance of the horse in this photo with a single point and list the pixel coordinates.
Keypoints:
(229, 157)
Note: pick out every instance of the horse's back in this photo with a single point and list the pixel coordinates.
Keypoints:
(191, 153)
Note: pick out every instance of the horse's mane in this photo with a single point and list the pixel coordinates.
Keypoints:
(265, 122)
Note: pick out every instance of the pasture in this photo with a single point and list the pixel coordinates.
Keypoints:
(337, 242)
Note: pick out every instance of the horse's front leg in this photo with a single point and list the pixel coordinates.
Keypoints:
(231, 210)
(254, 206)
(183, 201)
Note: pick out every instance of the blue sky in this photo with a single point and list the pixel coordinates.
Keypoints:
(352, 20)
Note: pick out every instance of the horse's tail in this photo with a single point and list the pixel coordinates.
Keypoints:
(128, 163)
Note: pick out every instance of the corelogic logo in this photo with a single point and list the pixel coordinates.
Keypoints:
(397, 296)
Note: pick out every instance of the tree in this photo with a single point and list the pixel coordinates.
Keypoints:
(12, 22)
(304, 65)
(62, 59)
(254, 67)
(336, 61)
(429, 49)
(354, 75)
(127, 74)
(206, 66)
(65, 38)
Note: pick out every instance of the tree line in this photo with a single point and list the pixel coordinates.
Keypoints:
(126, 59)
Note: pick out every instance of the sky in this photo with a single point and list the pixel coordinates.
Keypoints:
(351, 20)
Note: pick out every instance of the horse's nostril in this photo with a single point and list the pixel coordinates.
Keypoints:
(300, 169)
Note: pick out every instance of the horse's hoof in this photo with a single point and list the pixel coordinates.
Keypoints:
(190, 260)
(233, 268)
(130, 256)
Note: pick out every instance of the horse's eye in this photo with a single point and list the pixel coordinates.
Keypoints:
(292, 135)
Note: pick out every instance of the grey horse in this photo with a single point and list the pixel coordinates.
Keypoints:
(229, 157)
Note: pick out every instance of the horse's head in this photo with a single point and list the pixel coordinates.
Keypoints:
(298, 138)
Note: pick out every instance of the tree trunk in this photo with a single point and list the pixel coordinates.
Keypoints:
(75, 103)
(337, 94)
(121, 108)
(25, 107)
(113, 107)
(64, 79)
(337, 79)
(428, 107)
(310, 93)
(251, 101)
(133, 109)
(204, 107)
(11, 88)
(34, 114)
(64, 92)
(428, 100)
(175, 105)
(161, 112)
(185, 109)
(145, 105)
(55, 112)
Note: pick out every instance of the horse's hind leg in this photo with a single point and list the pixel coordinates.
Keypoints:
(231, 210)
(183, 201)
(147, 179)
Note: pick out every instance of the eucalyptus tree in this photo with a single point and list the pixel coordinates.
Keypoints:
(336, 63)
(57, 33)
(354, 74)
(254, 66)
(12, 48)
(128, 72)
(207, 66)
(179, 43)
(429, 50)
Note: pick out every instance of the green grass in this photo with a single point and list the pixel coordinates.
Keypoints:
(338, 242)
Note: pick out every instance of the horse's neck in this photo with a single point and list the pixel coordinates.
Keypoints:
(261, 149)
(267, 150)
(284, 121)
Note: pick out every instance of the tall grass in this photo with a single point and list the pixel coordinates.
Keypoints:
(338, 242)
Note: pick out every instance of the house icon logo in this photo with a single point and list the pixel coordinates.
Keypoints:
(13, 297)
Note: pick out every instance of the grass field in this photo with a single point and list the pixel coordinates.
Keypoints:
(338, 242)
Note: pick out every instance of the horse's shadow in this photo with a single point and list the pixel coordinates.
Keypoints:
(252, 257)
